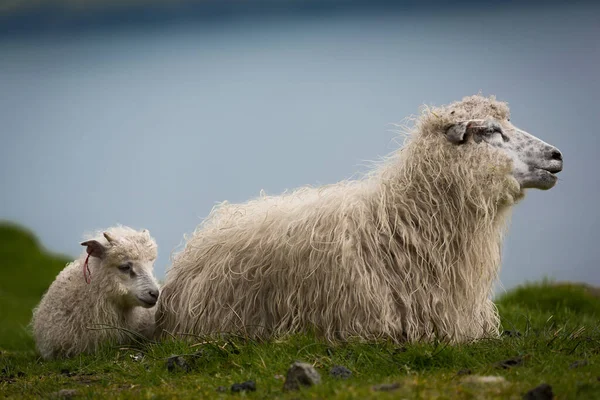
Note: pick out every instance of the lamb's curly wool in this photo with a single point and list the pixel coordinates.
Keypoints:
(410, 252)
(76, 317)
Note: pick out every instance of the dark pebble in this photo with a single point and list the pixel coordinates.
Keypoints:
(511, 362)
(177, 362)
(465, 371)
(248, 386)
(301, 374)
(577, 364)
(386, 387)
(339, 371)
(542, 392)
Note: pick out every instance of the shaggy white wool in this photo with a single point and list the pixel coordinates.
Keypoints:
(409, 252)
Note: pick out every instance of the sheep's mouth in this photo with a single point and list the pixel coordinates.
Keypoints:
(552, 170)
(547, 178)
(147, 303)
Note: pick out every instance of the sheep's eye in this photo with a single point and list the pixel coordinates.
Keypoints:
(125, 267)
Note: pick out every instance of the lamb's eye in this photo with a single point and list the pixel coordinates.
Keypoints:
(125, 267)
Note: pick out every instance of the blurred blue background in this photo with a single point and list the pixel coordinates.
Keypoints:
(149, 113)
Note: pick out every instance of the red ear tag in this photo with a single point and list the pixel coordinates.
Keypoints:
(87, 275)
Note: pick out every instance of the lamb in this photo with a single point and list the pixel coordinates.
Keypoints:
(408, 252)
(109, 289)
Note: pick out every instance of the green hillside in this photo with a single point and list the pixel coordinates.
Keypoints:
(26, 271)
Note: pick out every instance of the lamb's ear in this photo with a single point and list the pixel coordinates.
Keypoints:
(108, 237)
(94, 248)
(457, 133)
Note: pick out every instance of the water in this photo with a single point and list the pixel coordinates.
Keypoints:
(151, 127)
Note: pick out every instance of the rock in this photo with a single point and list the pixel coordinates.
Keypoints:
(66, 393)
(386, 387)
(465, 371)
(339, 371)
(577, 364)
(483, 379)
(542, 392)
(177, 362)
(248, 386)
(511, 362)
(301, 374)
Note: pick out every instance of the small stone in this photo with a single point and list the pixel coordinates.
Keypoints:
(175, 362)
(136, 357)
(577, 364)
(299, 374)
(511, 362)
(542, 392)
(248, 386)
(339, 371)
(465, 371)
(484, 379)
(221, 389)
(386, 387)
(66, 393)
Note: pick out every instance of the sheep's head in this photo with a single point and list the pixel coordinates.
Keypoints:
(126, 266)
(478, 121)
(534, 162)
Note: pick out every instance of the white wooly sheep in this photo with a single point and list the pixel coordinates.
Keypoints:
(409, 252)
(96, 298)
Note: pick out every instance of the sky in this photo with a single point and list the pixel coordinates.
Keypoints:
(153, 126)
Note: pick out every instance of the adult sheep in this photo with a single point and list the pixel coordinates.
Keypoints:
(96, 298)
(409, 252)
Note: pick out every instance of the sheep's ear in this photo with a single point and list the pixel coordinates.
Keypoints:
(460, 132)
(108, 237)
(94, 248)
(457, 133)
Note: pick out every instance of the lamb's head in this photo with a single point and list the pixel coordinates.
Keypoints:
(126, 266)
(477, 121)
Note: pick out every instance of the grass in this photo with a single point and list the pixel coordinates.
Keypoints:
(558, 343)
(26, 271)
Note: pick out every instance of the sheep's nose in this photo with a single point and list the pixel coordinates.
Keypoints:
(154, 293)
(556, 155)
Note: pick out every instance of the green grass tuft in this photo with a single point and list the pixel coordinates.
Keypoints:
(26, 271)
